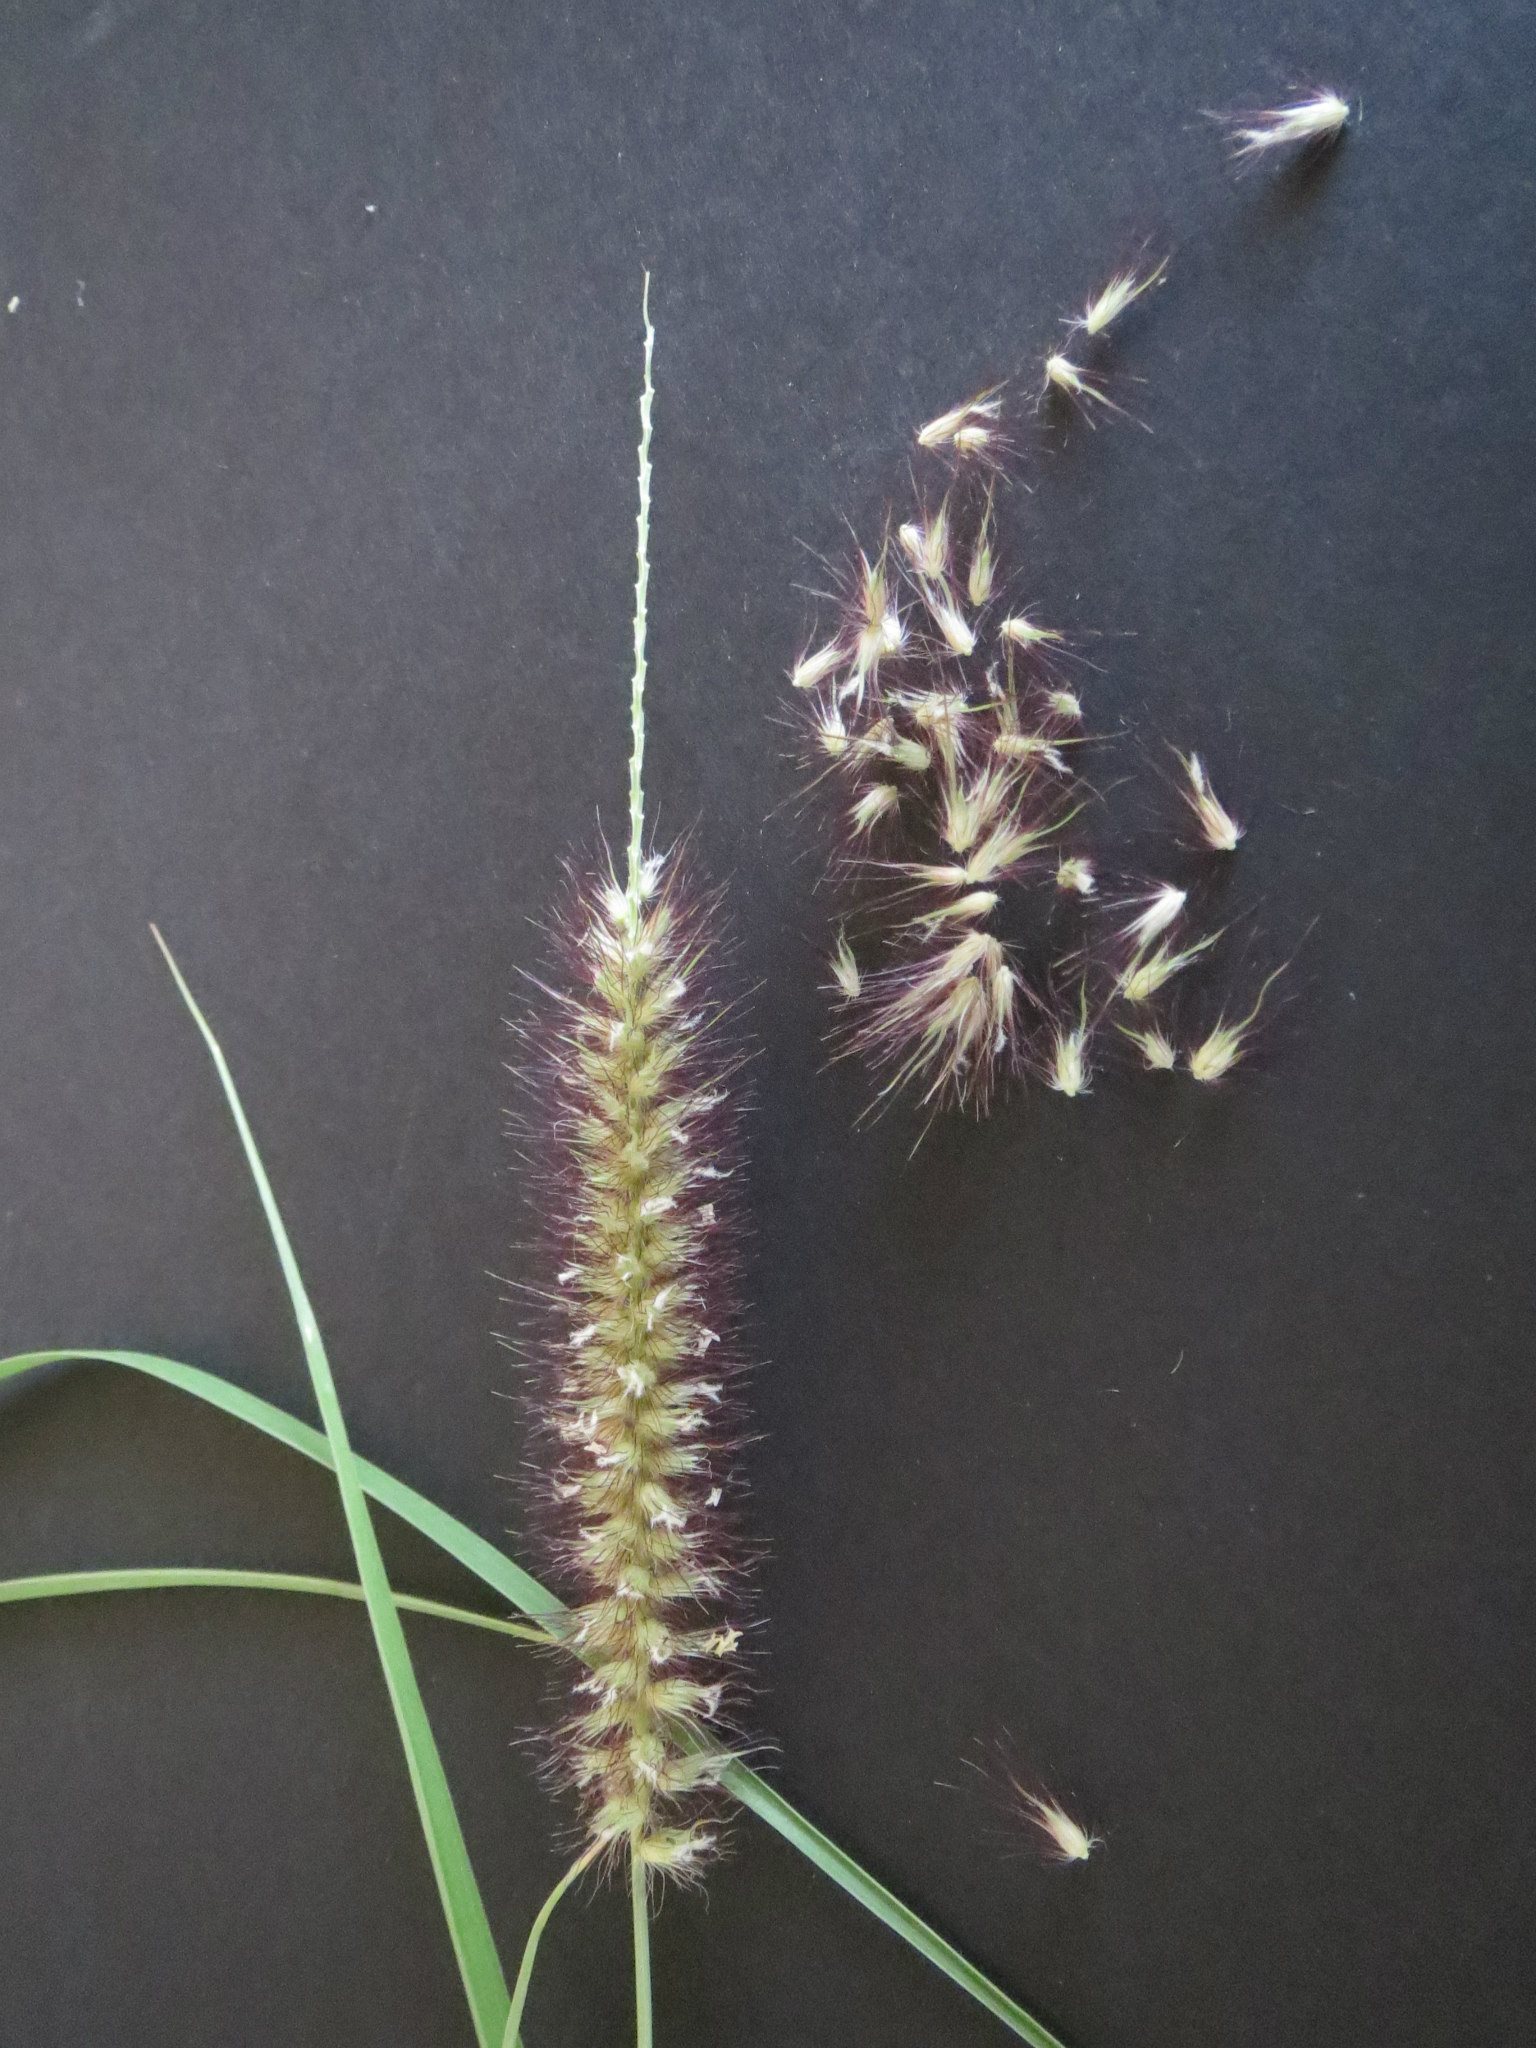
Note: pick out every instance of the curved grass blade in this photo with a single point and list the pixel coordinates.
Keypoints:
(541, 1920)
(463, 1909)
(521, 1590)
(160, 1578)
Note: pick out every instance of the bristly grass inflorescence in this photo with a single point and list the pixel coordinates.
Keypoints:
(637, 1084)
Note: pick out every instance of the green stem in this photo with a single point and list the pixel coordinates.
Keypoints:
(642, 587)
(161, 1578)
(640, 1913)
(535, 1935)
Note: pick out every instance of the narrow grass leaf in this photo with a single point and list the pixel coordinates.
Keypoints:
(469, 1929)
(160, 1578)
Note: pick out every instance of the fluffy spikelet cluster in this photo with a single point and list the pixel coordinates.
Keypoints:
(1313, 122)
(945, 745)
(643, 1363)
(945, 736)
(974, 940)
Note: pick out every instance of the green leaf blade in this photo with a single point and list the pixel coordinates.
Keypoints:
(469, 1929)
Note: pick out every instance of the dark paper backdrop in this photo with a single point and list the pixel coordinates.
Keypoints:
(315, 563)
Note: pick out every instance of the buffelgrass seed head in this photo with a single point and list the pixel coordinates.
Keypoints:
(1067, 1070)
(1158, 1055)
(1025, 1811)
(1021, 631)
(1065, 704)
(642, 1356)
(943, 1019)
(1121, 292)
(1157, 912)
(958, 635)
(968, 429)
(1218, 828)
(880, 800)
(817, 664)
(1078, 387)
(1225, 1044)
(845, 969)
(983, 569)
(1318, 119)
(926, 545)
(1065, 1840)
(1156, 965)
(1075, 876)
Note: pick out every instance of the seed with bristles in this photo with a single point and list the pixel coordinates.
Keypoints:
(975, 416)
(887, 744)
(1150, 971)
(1068, 1071)
(1157, 1053)
(972, 805)
(1218, 828)
(1066, 705)
(927, 545)
(946, 615)
(943, 1020)
(967, 909)
(1073, 382)
(1023, 632)
(814, 667)
(1069, 1841)
(831, 732)
(845, 969)
(1075, 876)
(1122, 290)
(1320, 117)
(881, 631)
(1222, 1047)
(979, 577)
(875, 803)
(973, 438)
(1158, 911)
(1029, 746)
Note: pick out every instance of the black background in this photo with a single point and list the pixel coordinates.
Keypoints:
(315, 564)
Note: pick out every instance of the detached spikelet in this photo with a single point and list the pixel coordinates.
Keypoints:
(1159, 910)
(926, 545)
(1218, 828)
(1320, 118)
(983, 570)
(1121, 292)
(1065, 1840)
(880, 800)
(1067, 1070)
(845, 969)
(1079, 387)
(1075, 876)
(643, 1361)
(816, 664)
(959, 636)
(1157, 1052)
(966, 428)
(1021, 631)
(1222, 1047)
(1155, 967)
(945, 1019)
